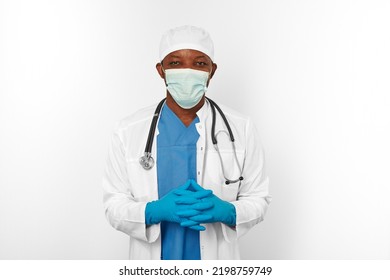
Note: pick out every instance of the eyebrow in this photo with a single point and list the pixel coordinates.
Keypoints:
(178, 56)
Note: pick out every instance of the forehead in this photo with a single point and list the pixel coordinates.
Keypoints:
(187, 54)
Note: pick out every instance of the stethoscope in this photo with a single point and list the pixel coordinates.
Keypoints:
(147, 161)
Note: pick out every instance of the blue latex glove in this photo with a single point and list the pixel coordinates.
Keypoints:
(166, 207)
(222, 211)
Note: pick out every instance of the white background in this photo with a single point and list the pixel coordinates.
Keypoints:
(314, 76)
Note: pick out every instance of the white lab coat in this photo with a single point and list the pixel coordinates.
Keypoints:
(128, 186)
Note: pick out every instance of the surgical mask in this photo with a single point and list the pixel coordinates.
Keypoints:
(186, 86)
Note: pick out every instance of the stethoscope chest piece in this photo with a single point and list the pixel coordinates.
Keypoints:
(147, 161)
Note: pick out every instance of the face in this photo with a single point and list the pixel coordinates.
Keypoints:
(187, 59)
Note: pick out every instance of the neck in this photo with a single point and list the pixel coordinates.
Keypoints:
(185, 115)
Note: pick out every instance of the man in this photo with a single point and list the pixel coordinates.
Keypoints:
(195, 191)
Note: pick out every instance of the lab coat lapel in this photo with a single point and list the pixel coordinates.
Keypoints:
(153, 187)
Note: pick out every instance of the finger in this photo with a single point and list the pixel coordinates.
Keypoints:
(184, 186)
(201, 218)
(202, 194)
(202, 206)
(197, 194)
(199, 191)
(183, 192)
(195, 185)
(187, 213)
(192, 225)
(198, 228)
(188, 223)
(186, 200)
(177, 219)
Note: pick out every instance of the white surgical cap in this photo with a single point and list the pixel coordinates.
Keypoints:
(186, 37)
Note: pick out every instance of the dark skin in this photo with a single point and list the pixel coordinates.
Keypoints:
(186, 59)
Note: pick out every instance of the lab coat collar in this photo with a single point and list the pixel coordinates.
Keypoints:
(202, 115)
(203, 111)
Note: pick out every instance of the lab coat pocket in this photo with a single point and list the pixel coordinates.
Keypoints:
(230, 192)
(215, 177)
(143, 182)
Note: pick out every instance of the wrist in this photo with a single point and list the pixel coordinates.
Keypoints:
(151, 213)
(230, 219)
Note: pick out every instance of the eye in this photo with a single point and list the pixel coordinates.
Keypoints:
(173, 63)
(201, 63)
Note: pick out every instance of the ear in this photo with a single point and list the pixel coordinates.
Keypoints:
(214, 68)
(160, 70)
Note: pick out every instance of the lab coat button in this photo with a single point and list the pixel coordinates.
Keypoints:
(200, 126)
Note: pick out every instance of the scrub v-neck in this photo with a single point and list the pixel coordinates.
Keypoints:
(176, 163)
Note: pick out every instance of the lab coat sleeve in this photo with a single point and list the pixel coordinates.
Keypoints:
(122, 210)
(253, 197)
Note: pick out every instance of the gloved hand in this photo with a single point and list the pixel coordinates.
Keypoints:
(166, 207)
(222, 211)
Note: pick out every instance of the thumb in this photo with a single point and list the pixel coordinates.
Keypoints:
(185, 186)
(200, 192)
(196, 186)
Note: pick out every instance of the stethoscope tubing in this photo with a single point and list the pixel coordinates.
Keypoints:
(213, 136)
(152, 129)
(147, 160)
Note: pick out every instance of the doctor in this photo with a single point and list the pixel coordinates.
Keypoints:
(200, 183)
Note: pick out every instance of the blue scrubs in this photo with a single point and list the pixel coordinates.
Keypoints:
(176, 163)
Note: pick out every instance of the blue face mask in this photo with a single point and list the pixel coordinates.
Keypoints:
(186, 86)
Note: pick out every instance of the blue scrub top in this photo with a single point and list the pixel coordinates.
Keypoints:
(176, 163)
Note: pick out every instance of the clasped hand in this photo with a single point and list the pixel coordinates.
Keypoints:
(190, 208)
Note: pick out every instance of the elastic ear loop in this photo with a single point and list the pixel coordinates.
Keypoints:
(162, 67)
